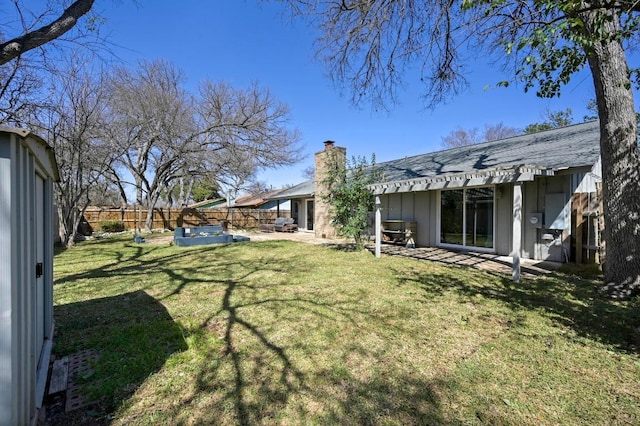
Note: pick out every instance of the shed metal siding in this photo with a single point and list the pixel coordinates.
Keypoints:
(6, 274)
(25, 326)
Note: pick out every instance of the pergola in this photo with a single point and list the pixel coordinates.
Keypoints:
(493, 176)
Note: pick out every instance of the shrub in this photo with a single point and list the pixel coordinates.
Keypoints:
(111, 225)
(350, 196)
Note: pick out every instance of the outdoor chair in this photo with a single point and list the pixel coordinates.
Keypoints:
(285, 225)
(271, 227)
(282, 224)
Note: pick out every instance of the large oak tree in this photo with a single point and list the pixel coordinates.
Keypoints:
(167, 135)
(370, 45)
(72, 121)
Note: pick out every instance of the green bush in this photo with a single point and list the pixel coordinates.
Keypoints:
(111, 225)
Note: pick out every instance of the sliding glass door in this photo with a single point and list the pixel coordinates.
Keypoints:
(310, 215)
(466, 217)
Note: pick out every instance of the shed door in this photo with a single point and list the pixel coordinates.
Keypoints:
(39, 236)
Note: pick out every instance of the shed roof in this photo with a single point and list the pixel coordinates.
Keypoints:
(42, 151)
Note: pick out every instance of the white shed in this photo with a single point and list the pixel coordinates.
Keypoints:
(27, 172)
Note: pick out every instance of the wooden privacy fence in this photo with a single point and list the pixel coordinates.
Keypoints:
(165, 218)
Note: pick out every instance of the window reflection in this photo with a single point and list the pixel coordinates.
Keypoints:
(466, 217)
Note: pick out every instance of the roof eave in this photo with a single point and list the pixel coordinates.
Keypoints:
(495, 176)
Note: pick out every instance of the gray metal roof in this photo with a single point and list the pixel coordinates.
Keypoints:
(302, 190)
(572, 146)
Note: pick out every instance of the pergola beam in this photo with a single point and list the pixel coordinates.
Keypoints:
(459, 180)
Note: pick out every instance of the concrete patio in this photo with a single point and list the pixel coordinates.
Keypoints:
(483, 261)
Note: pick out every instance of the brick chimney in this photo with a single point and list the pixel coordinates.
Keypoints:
(331, 156)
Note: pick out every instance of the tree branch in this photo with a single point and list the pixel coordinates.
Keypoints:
(19, 45)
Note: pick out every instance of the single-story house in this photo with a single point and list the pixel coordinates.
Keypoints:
(260, 201)
(495, 197)
(302, 203)
(207, 204)
(27, 172)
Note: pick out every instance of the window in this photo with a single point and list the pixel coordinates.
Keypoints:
(310, 215)
(295, 213)
(466, 217)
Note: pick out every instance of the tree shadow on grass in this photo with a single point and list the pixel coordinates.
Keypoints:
(117, 260)
(132, 332)
(389, 398)
(264, 383)
(239, 382)
(570, 301)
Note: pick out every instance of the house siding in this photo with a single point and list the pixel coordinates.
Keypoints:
(423, 216)
(415, 207)
(535, 195)
(301, 219)
(422, 207)
(504, 219)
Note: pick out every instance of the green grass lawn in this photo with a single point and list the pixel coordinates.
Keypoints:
(290, 333)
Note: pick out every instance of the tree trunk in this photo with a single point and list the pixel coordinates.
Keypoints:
(148, 222)
(63, 232)
(70, 215)
(152, 201)
(620, 165)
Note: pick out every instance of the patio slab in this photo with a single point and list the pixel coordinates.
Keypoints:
(484, 261)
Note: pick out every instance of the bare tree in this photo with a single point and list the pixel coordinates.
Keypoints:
(233, 168)
(256, 187)
(249, 123)
(552, 120)
(369, 45)
(309, 172)
(20, 92)
(150, 120)
(104, 193)
(499, 131)
(167, 134)
(73, 123)
(463, 137)
(248, 130)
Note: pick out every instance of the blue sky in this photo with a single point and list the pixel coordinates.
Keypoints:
(242, 41)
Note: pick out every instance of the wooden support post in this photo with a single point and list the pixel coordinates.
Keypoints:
(378, 229)
(517, 230)
(578, 207)
(602, 254)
